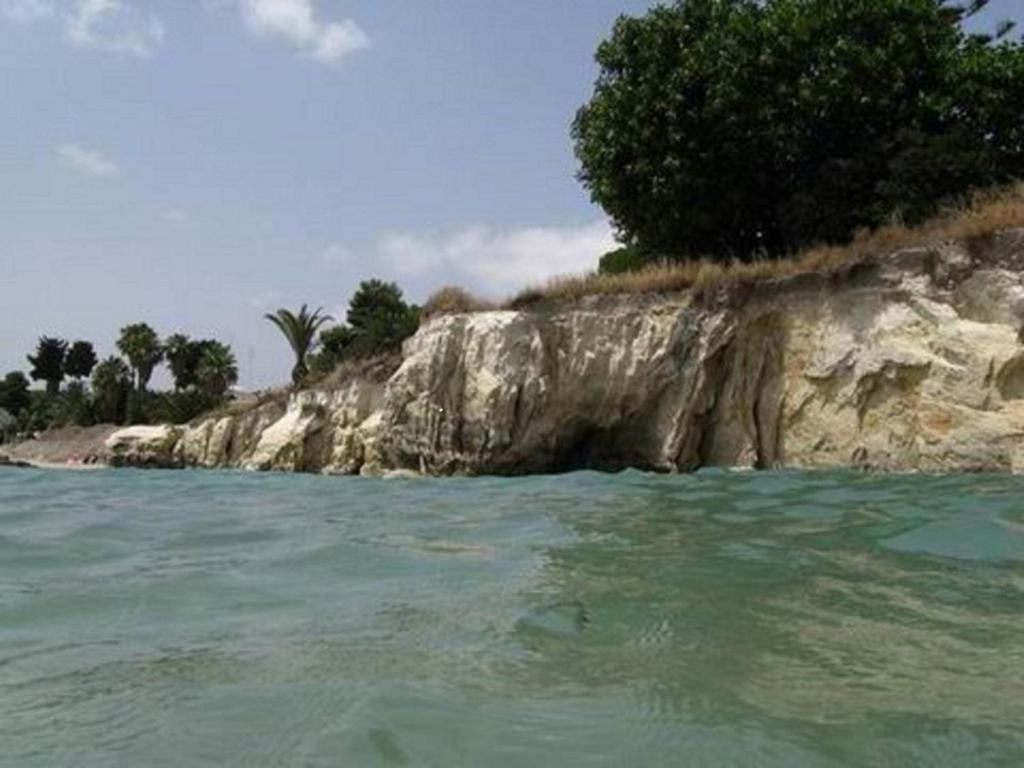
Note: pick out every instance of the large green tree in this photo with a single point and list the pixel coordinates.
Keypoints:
(80, 361)
(733, 128)
(183, 356)
(48, 363)
(140, 344)
(299, 330)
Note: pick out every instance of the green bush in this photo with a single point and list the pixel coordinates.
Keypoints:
(379, 319)
(621, 260)
(333, 347)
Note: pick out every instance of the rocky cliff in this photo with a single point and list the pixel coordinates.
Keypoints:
(908, 362)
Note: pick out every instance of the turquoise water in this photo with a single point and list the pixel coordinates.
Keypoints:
(187, 619)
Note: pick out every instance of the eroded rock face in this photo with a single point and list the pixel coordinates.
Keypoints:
(226, 441)
(320, 431)
(910, 363)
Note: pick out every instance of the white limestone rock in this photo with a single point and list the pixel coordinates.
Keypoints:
(913, 363)
(143, 446)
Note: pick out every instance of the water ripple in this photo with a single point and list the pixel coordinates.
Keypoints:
(722, 618)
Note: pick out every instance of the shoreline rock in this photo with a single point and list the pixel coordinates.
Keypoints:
(144, 446)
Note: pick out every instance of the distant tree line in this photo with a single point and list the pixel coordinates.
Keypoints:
(738, 129)
(82, 390)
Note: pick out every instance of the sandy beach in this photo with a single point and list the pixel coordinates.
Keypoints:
(67, 448)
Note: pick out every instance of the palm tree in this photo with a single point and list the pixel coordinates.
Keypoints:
(111, 382)
(179, 351)
(217, 369)
(140, 344)
(300, 331)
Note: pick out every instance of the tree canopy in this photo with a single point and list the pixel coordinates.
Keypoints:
(182, 356)
(380, 318)
(333, 346)
(48, 363)
(80, 361)
(378, 321)
(217, 370)
(141, 345)
(733, 128)
(111, 383)
(115, 391)
(14, 394)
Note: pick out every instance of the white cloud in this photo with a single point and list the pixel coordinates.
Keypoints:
(25, 11)
(499, 261)
(126, 27)
(297, 22)
(113, 26)
(86, 160)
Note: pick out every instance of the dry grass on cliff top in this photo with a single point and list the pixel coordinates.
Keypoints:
(452, 300)
(985, 215)
(377, 369)
(240, 407)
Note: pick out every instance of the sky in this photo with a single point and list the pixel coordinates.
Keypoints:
(197, 163)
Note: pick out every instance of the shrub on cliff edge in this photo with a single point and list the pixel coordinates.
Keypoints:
(379, 320)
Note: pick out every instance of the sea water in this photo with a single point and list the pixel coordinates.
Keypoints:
(716, 619)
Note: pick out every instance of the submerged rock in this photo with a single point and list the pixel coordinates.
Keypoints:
(910, 363)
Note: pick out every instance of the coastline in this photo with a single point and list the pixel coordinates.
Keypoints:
(51, 465)
(911, 362)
